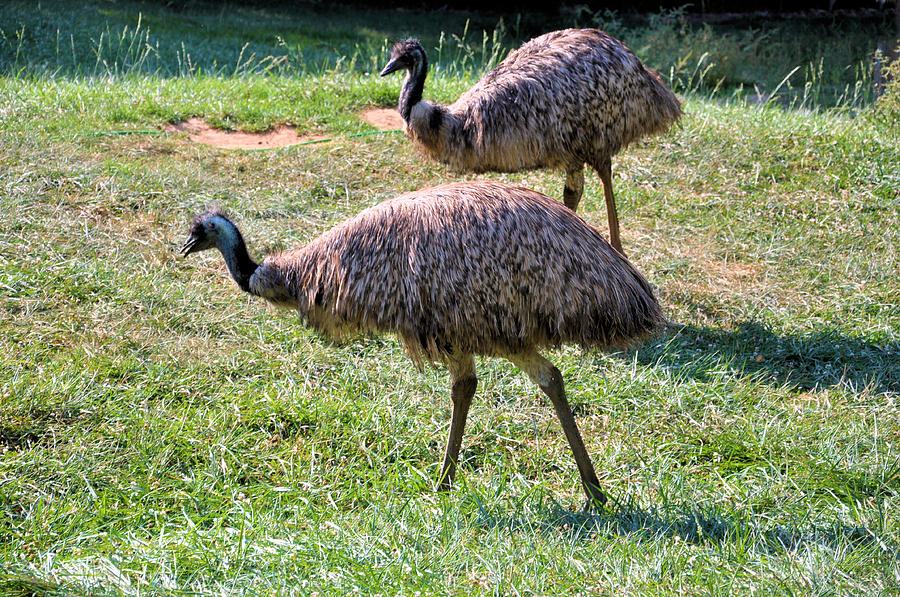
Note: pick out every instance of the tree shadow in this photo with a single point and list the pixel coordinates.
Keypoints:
(805, 362)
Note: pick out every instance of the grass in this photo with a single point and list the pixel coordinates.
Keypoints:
(162, 433)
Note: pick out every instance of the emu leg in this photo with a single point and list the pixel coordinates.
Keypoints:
(612, 216)
(544, 374)
(574, 186)
(464, 382)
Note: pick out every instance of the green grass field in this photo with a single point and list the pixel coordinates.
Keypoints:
(162, 433)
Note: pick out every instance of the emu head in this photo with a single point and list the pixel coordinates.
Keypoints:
(209, 230)
(407, 54)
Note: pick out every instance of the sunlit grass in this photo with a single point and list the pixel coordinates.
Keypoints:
(163, 433)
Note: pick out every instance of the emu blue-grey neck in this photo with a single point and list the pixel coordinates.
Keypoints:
(233, 248)
(413, 86)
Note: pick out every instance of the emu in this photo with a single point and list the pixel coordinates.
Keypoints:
(561, 100)
(457, 270)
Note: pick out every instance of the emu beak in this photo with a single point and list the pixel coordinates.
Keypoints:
(189, 245)
(390, 67)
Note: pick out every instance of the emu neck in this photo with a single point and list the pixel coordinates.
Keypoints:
(413, 86)
(240, 265)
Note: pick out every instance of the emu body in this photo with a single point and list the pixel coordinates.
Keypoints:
(454, 271)
(562, 100)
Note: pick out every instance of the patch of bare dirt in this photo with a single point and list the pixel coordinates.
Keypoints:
(200, 132)
(384, 119)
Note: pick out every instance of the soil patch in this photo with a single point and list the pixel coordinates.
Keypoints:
(200, 132)
(384, 119)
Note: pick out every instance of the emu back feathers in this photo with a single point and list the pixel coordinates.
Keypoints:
(480, 267)
(564, 98)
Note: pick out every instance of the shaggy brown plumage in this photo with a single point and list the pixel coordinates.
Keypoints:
(455, 270)
(561, 100)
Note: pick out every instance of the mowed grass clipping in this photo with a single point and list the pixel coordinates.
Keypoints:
(163, 433)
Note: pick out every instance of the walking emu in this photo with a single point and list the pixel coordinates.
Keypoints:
(561, 100)
(457, 270)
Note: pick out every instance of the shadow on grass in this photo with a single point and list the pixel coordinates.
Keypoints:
(710, 527)
(806, 362)
(692, 526)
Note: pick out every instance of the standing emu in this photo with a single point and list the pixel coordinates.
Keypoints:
(457, 270)
(561, 100)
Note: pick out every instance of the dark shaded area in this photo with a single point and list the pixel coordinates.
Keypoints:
(14, 438)
(814, 360)
(705, 526)
(533, 6)
(25, 430)
(697, 526)
(284, 426)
